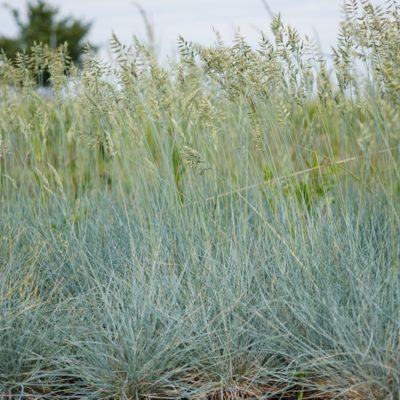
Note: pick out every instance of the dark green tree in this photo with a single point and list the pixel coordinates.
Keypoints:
(42, 25)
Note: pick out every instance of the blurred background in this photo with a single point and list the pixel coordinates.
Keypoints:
(194, 20)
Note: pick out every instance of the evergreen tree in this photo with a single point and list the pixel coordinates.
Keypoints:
(43, 26)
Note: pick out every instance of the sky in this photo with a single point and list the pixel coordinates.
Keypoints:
(195, 20)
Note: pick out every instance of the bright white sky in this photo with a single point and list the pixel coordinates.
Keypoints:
(194, 19)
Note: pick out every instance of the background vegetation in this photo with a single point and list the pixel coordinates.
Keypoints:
(225, 227)
(43, 27)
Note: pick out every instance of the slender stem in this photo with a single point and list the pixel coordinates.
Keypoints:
(268, 8)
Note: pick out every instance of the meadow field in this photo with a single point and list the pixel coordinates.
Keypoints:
(226, 226)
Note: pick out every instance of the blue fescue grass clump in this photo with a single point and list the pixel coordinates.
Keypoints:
(226, 227)
(188, 304)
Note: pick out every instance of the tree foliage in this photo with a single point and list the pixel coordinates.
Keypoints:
(43, 25)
